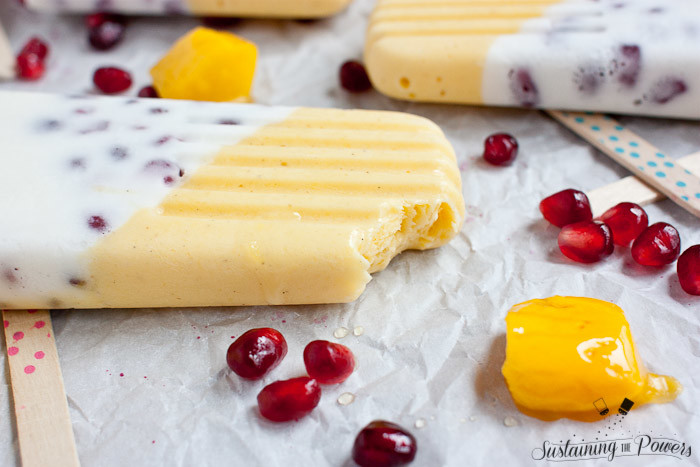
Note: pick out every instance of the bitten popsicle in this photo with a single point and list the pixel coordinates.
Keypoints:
(636, 57)
(303, 9)
(118, 202)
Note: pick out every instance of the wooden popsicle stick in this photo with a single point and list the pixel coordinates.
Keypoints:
(637, 155)
(43, 423)
(633, 189)
(7, 62)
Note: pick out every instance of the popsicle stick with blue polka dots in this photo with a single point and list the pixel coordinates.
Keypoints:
(633, 189)
(647, 162)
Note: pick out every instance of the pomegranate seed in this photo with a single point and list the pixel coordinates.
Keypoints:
(629, 61)
(256, 353)
(327, 362)
(689, 270)
(353, 77)
(627, 221)
(566, 207)
(524, 88)
(111, 80)
(658, 245)
(291, 399)
(98, 223)
(30, 60)
(36, 46)
(148, 92)
(586, 242)
(667, 89)
(30, 67)
(384, 444)
(98, 19)
(220, 22)
(106, 35)
(500, 149)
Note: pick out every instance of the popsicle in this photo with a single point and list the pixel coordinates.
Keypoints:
(243, 8)
(118, 202)
(636, 57)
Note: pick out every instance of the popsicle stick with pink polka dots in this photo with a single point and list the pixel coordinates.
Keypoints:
(640, 157)
(43, 421)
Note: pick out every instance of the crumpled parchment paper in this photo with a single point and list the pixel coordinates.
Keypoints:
(151, 387)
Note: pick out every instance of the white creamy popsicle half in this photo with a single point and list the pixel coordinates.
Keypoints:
(249, 8)
(635, 57)
(117, 202)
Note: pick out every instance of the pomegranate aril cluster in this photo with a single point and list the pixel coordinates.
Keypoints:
(31, 60)
(258, 351)
(590, 241)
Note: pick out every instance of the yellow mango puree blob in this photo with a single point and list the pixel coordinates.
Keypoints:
(565, 354)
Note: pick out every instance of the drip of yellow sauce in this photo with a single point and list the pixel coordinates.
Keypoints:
(573, 357)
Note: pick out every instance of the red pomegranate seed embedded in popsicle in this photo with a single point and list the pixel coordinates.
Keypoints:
(98, 223)
(627, 221)
(500, 149)
(256, 353)
(566, 207)
(689, 270)
(111, 80)
(384, 444)
(327, 362)
(658, 245)
(586, 242)
(292, 399)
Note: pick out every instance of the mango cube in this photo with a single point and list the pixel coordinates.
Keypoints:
(206, 65)
(574, 357)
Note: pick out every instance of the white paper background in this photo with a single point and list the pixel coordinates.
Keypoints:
(434, 331)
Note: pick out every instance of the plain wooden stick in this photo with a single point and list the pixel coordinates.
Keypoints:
(43, 423)
(634, 190)
(7, 62)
